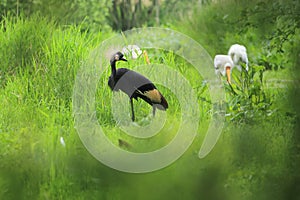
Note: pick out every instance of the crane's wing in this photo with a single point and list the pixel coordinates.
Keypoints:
(129, 81)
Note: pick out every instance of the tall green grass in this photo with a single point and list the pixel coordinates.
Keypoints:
(39, 61)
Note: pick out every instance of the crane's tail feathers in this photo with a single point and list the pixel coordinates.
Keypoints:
(156, 98)
(163, 103)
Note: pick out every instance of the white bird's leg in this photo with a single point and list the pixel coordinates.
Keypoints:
(132, 110)
(242, 77)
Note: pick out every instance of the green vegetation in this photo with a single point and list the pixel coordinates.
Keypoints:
(42, 49)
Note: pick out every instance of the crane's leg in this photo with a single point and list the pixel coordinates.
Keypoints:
(153, 111)
(132, 111)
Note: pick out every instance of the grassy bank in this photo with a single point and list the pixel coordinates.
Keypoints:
(255, 158)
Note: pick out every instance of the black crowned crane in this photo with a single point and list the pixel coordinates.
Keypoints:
(134, 85)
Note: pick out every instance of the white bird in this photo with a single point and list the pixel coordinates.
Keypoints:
(223, 65)
(238, 54)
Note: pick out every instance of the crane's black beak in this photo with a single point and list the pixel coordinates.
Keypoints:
(123, 59)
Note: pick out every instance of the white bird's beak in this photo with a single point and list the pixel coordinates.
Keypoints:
(228, 74)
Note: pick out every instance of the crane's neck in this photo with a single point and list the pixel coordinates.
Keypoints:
(113, 68)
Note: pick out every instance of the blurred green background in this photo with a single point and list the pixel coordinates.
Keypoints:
(43, 44)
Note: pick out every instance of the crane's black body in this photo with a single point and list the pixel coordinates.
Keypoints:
(135, 86)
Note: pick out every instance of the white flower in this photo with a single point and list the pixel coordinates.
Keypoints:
(134, 50)
(62, 141)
